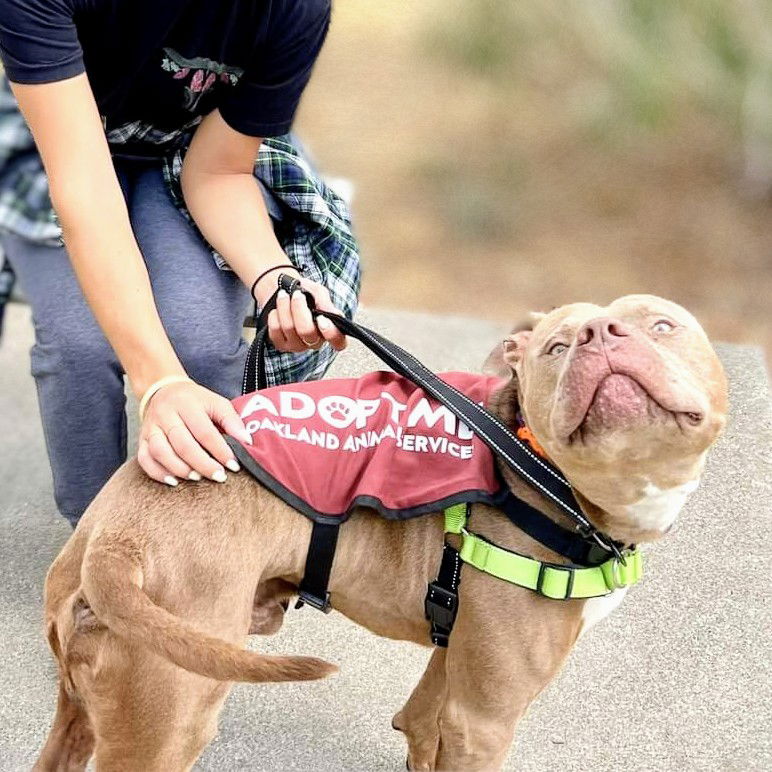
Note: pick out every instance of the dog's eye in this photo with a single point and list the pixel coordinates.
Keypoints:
(556, 348)
(662, 325)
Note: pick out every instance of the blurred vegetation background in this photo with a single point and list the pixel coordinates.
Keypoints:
(510, 156)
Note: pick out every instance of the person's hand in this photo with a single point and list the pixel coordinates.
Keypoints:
(291, 327)
(180, 434)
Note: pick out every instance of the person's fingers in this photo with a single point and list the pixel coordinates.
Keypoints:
(152, 468)
(304, 322)
(331, 333)
(287, 323)
(275, 333)
(323, 301)
(225, 416)
(189, 450)
(320, 294)
(201, 427)
(162, 452)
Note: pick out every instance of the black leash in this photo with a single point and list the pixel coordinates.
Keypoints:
(516, 454)
(583, 546)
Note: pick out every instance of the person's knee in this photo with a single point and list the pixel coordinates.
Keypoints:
(83, 351)
(214, 358)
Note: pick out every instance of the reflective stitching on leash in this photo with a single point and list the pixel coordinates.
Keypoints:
(565, 507)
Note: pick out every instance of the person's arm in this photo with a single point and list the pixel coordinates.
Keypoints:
(95, 225)
(84, 189)
(226, 203)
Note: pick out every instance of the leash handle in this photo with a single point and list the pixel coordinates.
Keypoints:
(536, 471)
(254, 367)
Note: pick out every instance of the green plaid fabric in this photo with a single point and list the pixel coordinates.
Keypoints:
(314, 229)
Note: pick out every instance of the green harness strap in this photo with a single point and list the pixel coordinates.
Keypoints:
(548, 579)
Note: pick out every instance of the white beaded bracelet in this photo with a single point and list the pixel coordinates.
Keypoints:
(157, 386)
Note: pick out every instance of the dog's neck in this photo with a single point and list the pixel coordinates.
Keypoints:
(646, 520)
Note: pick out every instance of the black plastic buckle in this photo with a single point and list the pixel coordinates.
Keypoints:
(306, 598)
(440, 607)
(555, 567)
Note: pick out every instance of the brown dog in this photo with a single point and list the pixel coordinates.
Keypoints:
(149, 602)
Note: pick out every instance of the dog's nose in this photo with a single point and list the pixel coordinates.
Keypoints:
(605, 329)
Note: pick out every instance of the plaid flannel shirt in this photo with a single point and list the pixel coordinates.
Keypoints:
(314, 228)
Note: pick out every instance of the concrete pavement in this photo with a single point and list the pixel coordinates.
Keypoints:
(677, 679)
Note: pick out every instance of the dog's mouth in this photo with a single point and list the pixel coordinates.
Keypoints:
(622, 403)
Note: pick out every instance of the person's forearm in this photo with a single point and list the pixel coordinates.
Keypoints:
(65, 122)
(112, 274)
(226, 203)
(230, 212)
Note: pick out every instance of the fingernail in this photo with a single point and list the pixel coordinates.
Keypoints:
(323, 323)
(233, 465)
(246, 437)
(220, 476)
(195, 476)
(282, 294)
(169, 480)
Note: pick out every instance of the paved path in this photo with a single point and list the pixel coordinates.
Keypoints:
(677, 679)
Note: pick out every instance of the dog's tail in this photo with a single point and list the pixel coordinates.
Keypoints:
(112, 584)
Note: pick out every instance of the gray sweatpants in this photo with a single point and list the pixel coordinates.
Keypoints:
(79, 380)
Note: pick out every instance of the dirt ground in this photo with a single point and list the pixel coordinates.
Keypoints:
(472, 203)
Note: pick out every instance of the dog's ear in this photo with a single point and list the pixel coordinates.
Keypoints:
(509, 351)
(514, 347)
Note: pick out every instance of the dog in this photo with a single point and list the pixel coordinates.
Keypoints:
(148, 604)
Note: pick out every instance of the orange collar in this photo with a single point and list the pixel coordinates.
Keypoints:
(527, 436)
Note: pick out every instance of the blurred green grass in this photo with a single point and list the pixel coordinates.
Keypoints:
(571, 150)
(614, 74)
(633, 64)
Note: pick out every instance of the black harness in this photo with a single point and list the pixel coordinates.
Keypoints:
(583, 546)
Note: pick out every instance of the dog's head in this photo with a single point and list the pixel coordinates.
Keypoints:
(625, 400)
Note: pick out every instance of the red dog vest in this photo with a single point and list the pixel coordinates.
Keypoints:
(378, 441)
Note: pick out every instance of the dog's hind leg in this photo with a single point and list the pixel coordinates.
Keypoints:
(147, 713)
(70, 742)
(419, 718)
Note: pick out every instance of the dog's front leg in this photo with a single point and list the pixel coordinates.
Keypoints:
(270, 604)
(506, 646)
(477, 719)
(419, 718)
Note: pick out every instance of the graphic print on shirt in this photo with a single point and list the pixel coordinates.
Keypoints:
(200, 74)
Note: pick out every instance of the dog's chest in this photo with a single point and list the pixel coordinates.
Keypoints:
(658, 508)
(596, 609)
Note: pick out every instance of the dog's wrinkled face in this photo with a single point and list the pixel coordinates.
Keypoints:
(625, 400)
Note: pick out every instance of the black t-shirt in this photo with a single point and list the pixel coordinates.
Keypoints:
(164, 62)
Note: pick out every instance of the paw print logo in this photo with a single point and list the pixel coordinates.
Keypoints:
(339, 412)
